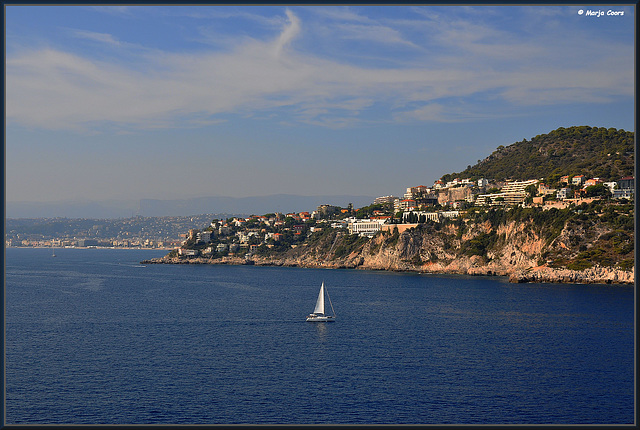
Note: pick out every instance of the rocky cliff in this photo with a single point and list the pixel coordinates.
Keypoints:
(523, 250)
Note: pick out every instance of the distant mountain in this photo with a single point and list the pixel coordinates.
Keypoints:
(607, 153)
(193, 206)
(247, 205)
(73, 209)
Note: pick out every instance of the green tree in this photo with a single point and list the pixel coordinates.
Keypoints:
(597, 190)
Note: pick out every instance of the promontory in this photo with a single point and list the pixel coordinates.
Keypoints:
(557, 208)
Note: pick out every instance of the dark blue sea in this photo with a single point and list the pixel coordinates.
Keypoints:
(94, 337)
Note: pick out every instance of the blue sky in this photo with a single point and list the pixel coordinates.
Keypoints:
(165, 102)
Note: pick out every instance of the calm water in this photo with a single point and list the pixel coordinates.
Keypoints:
(93, 337)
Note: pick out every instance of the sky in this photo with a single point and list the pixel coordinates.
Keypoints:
(170, 102)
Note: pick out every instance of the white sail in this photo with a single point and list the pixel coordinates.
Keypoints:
(320, 303)
(318, 313)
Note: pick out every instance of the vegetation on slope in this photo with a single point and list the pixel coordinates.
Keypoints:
(594, 234)
(606, 153)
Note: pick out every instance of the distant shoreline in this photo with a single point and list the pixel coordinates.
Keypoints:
(92, 247)
(542, 275)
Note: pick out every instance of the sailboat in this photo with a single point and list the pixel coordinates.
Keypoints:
(318, 313)
(53, 252)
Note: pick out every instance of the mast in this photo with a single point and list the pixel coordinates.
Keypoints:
(332, 310)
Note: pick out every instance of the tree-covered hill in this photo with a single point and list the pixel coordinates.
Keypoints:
(601, 152)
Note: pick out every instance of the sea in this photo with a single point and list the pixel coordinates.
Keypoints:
(94, 337)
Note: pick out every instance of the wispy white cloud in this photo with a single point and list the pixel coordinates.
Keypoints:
(288, 34)
(54, 89)
(98, 37)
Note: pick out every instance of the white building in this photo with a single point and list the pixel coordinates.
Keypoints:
(431, 216)
(384, 199)
(405, 205)
(449, 214)
(513, 193)
(245, 236)
(365, 227)
(562, 193)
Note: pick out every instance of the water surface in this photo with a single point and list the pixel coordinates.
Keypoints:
(93, 337)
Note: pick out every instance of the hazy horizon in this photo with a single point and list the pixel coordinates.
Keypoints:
(125, 103)
(256, 205)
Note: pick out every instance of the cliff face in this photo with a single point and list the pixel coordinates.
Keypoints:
(517, 250)
(576, 249)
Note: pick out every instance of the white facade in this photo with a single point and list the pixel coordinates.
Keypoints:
(512, 194)
(610, 185)
(365, 227)
(432, 216)
(562, 193)
(449, 214)
(405, 205)
(384, 199)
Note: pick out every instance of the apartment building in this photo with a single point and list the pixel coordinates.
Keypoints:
(365, 227)
(513, 193)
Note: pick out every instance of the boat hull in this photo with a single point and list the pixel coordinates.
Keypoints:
(319, 318)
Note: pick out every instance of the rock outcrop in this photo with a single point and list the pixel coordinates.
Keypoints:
(512, 249)
(594, 275)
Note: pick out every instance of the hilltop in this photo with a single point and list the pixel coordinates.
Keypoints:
(606, 153)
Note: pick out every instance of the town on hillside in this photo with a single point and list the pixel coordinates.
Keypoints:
(236, 236)
(276, 231)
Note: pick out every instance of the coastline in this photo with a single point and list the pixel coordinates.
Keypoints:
(542, 274)
(93, 247)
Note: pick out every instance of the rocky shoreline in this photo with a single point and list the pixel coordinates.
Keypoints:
(542, 274)
(521, 251)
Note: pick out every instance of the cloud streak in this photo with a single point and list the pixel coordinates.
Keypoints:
(57, 89)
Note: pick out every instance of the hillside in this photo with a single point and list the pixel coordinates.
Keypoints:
(592, 243)
(588, 242)
(601, 152)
